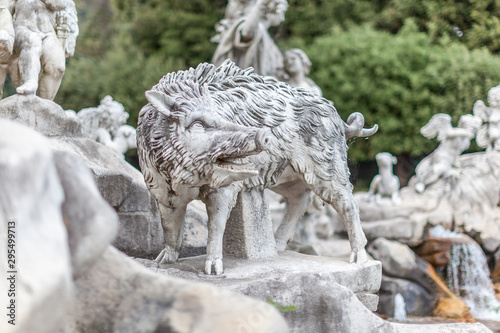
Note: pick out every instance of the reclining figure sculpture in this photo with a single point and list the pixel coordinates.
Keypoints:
(207, 133)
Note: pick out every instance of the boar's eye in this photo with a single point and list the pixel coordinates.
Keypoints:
(197, 125)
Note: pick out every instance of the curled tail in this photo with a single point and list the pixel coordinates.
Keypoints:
(354, 127)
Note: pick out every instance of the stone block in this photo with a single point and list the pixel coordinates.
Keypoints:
(42, 115)
(114, 186)
(418, 301)
(399, 261)
(138, 198)
(397, 229)
(133, 236)
(249, 229)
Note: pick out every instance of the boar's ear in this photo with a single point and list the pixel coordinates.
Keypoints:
(161, 101)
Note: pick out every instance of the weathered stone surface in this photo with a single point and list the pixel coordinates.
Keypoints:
(324, 302)
(118, 295)
(453, 308)
(113, 185)
(195, 230)
(495, 274)
(134, 234)
(70, 280)
(418, 300)
(490, 245)
(249, 276)
(401, 229)
(40, 114)
(435, 251)
(399, 261)
(31, 196)
(249, 229)
(90, 222)
(120, 183)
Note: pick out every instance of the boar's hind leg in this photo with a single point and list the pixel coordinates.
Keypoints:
(342, 201)
(172, 220)
(219, 204)
(298, 199)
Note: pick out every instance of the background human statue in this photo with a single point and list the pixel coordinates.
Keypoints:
(453, 142)
(488, 135)
(244, 38)
(297, 67)
(107, 124)
(45, 34)
(6, 39)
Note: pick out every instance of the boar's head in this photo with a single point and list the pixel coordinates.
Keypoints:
(206, 148)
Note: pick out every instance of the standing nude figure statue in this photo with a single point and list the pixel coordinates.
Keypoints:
(244, 37)
(45, 34)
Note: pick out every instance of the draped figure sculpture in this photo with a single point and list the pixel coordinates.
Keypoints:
(244, 38)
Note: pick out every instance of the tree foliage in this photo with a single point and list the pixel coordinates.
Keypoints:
(476, 23)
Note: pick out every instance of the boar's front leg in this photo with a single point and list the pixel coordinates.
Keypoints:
(172, 220)
(219, 204)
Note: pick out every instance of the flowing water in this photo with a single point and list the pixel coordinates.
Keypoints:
(399, 308)
(468, 276)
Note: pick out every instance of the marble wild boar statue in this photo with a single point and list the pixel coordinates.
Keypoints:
(208, 132)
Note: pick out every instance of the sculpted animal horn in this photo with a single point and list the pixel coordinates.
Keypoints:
(160, 101)
(354, 127)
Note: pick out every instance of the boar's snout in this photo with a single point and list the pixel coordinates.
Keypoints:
(263, 138)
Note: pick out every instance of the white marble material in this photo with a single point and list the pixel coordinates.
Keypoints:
(209, 132)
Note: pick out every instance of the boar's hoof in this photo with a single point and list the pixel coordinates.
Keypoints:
(281, 245)
(167, 256)
(358, 257)
(216, 264)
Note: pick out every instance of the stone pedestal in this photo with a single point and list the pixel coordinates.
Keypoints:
(314, 294)
(249, 229)
(289, 280)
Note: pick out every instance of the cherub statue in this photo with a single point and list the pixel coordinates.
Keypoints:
(45, 34)
(453, 142)
(106, 124)
(385, 184)
(244, 38)
(488, 135)
(297, 67)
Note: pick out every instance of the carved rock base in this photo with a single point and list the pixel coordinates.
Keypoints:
(314, 294)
